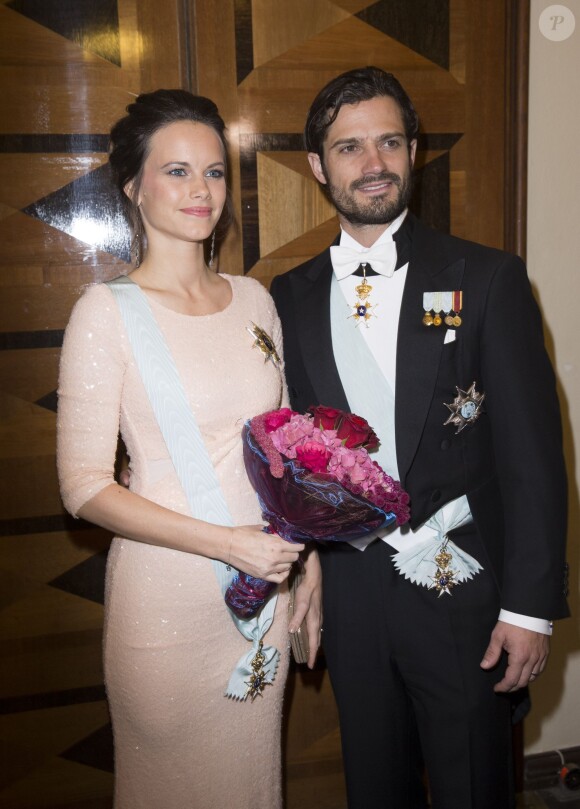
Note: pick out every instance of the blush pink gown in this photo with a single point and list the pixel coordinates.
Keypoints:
(170, 644)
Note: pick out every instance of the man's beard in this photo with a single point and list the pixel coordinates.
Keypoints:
(378, 210)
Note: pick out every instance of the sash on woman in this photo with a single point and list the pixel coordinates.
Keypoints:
(192, 465)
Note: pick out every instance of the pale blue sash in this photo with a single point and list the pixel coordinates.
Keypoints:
(367, 390)
(369, 394)
(190, 459)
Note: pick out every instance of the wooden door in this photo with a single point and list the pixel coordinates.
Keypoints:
(67, 70)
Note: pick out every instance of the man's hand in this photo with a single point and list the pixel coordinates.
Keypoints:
(527, 653)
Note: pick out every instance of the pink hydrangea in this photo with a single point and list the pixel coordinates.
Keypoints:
(292, 433)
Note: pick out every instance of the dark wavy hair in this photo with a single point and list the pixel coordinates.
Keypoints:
(362, 84)
(130, 141)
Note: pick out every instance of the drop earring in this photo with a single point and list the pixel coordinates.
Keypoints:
(212, 250)
(136, 249)
(137, 243)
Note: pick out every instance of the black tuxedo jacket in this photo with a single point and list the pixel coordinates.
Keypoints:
(508, 462)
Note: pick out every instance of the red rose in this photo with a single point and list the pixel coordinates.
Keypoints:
(277, 418)
(326, 417)
(354, 431)
(372, 441)
(313, 456)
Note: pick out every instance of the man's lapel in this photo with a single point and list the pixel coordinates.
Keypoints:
(313, 292)
(419, 347)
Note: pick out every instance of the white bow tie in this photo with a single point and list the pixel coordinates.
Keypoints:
(382, 258)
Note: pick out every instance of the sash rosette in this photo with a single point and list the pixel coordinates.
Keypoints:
(315, 481)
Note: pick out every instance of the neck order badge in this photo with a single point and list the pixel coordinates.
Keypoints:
(362, 307)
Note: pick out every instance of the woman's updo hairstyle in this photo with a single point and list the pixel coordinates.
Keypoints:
(130, 140)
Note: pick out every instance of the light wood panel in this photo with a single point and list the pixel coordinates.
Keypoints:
(60, 229)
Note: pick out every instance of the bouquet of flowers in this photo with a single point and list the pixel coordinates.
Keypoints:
(315, 480)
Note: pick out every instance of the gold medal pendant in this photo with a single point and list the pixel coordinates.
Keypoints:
(457, 307)
(362, 307)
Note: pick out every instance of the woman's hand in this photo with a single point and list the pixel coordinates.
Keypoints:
(308, 603)
(262, 555)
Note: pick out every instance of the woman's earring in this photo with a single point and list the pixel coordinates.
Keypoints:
(212, 249)
(136, 249)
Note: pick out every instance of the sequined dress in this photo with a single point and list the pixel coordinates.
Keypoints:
(169, 643)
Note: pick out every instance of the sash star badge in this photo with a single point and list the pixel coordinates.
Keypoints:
(265, 343)
(465, 408)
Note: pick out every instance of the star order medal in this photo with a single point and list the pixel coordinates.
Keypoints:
(465, 408)
(445, 577)
(257, 681)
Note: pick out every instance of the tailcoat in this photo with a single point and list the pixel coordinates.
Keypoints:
(508, 462)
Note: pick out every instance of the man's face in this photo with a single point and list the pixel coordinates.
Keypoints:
(367, 162)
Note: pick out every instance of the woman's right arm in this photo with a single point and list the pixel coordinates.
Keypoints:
(93, 361)
(245, 547)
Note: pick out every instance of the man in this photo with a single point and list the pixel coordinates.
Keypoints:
(442, 352)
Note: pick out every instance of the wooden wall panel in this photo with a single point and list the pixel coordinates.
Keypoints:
(450, 58)
(67, 72)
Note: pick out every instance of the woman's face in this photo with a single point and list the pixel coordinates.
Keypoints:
(183, 186)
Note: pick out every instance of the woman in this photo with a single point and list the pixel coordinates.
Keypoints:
(170, 643)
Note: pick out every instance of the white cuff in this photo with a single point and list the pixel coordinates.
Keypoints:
(526, 622)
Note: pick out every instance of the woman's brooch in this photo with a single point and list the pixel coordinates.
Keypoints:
(264, 342)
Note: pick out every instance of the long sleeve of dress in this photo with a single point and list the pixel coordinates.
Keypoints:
(92, 367)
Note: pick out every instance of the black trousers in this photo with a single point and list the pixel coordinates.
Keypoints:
(404, 666)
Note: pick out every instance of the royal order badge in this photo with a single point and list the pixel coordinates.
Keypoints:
(465, 408)
(257, 681)
(363, 306)
(264, 342)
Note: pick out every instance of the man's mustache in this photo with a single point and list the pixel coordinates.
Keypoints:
(376, 178)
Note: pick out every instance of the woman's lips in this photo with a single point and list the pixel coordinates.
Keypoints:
(196, 211)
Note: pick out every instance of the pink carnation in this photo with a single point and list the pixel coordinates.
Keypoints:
(313, 456)
(276, 418)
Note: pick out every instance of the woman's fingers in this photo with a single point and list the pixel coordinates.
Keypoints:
(264, 556)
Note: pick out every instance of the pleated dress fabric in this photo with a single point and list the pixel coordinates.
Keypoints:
(169, 642)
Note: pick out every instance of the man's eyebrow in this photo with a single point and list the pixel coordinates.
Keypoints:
(344, 141)
(354, 140)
